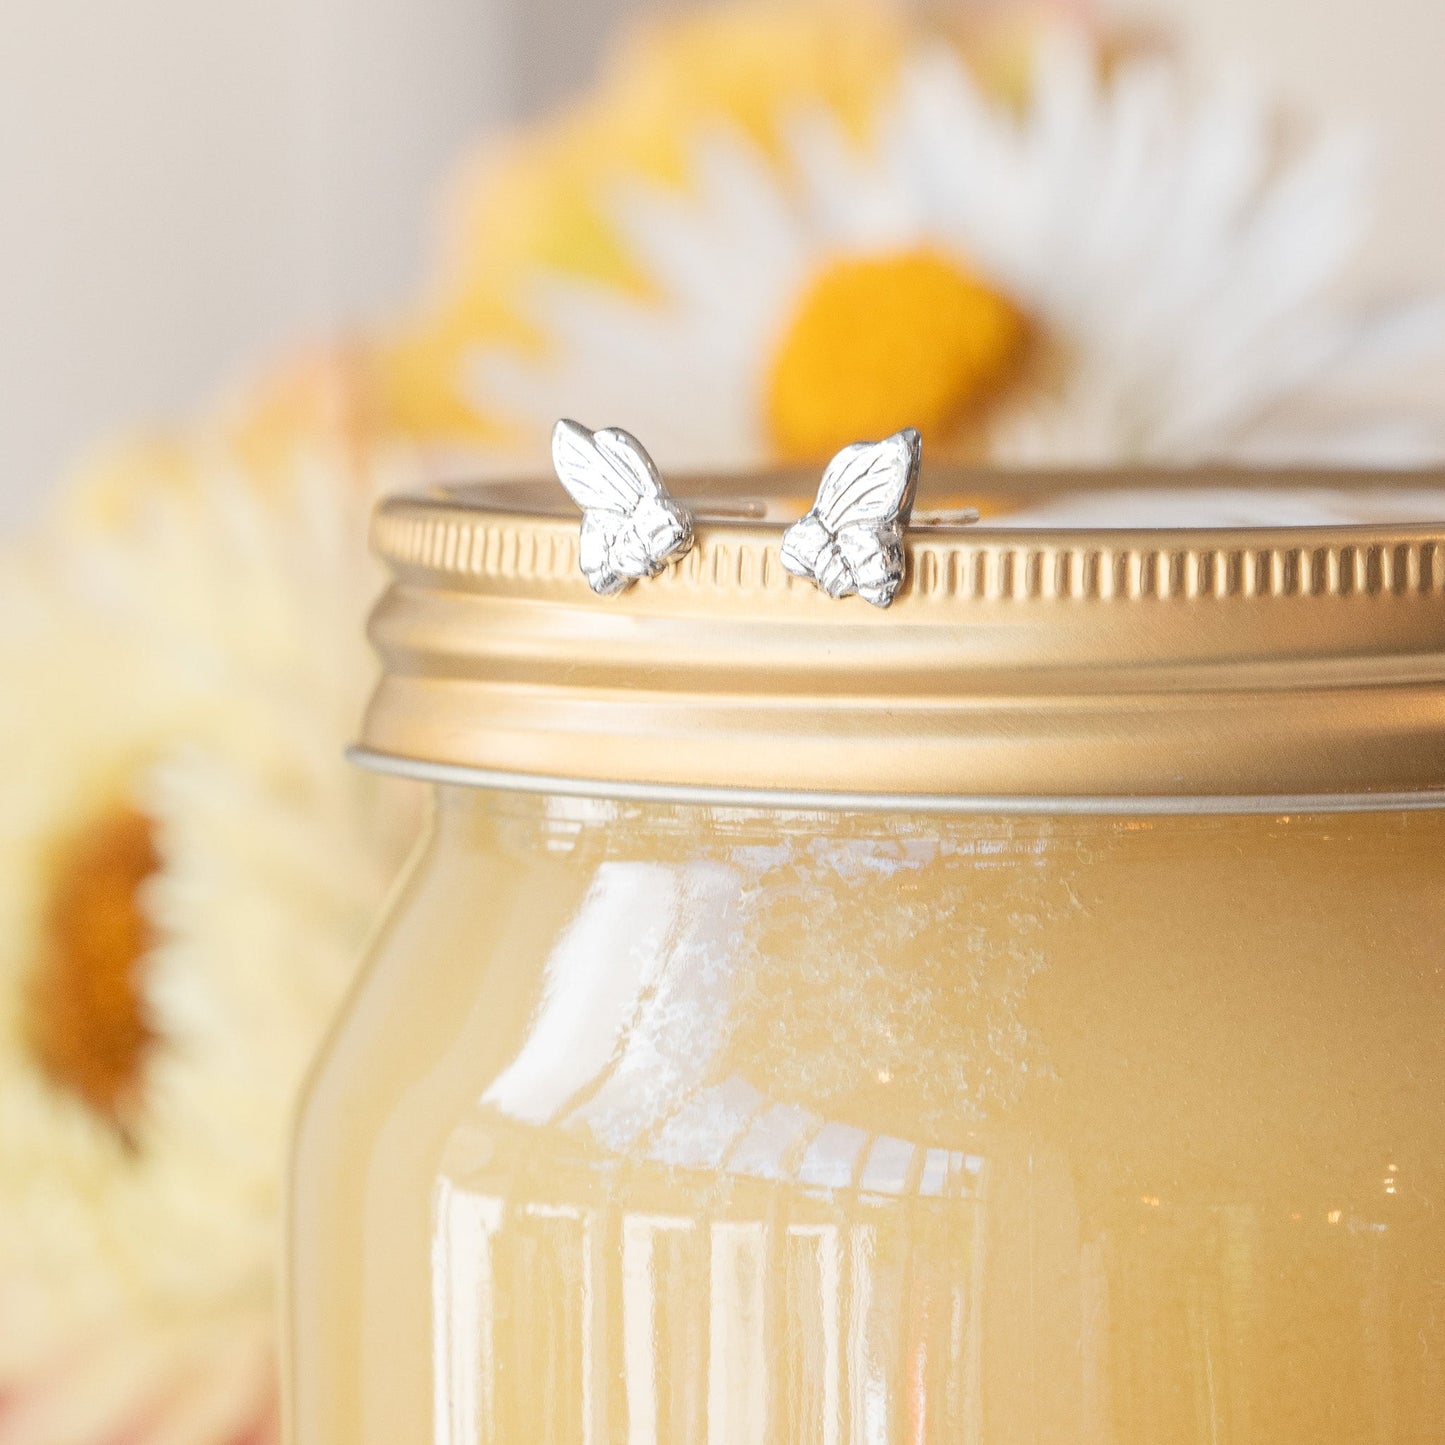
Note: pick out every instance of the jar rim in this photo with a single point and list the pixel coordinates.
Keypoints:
(1162, 805)
(1281, 662)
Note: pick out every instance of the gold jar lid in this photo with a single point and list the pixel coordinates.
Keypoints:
(1025, 663)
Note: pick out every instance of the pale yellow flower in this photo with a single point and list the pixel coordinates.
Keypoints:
(187, 868)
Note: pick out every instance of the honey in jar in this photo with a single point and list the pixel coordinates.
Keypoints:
(1013, 1016)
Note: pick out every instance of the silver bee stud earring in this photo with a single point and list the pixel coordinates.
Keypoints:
(852, 540)
(631, 527)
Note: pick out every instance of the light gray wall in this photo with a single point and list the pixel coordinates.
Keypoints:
(187, 185)
(1377, 62)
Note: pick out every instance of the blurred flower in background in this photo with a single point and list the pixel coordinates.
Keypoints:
(768, 235)
(187, 868)
(768, 232)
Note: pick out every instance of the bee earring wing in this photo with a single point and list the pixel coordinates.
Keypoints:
(870, 482)
(631, 527)
(852, 539)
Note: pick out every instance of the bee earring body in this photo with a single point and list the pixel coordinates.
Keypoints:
(631, 526)
(852, 539)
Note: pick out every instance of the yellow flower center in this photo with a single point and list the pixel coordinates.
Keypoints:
(882, 342)
(89, 1031)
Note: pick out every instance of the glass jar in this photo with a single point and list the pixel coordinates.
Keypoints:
(1011, 1017)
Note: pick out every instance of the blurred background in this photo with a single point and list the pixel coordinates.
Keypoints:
(261, 263)
(188, 186)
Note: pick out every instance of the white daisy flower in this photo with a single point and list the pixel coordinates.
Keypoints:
(187, 868)
(1108, 274)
